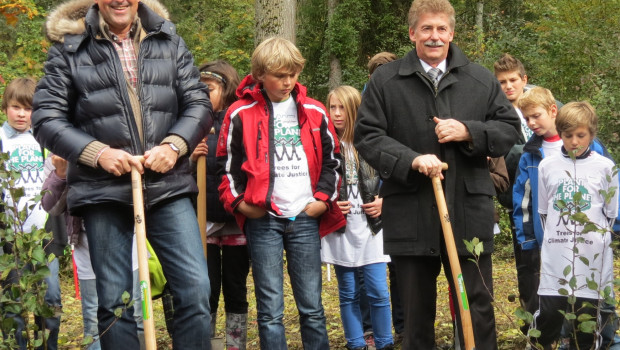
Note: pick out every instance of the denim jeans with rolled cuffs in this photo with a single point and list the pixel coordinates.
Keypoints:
(375, 281)
(268, 237)
(172, 231)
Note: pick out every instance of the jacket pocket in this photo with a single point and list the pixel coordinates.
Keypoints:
(400, 217)
(477, 208)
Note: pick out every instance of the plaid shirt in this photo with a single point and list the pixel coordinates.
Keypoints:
(127, 54)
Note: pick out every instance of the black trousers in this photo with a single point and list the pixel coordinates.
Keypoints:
(548, 320)
(228, 270)
(528, 274)
(417, 280)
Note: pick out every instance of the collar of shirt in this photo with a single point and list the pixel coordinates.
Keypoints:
(10, 132)
(442, 65)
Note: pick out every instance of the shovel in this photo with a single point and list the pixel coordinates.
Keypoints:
(455, 266)
(143, 258)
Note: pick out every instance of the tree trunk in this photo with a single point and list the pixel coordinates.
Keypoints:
(479, 19)
(275, 18)
(335, 70)
(335, 73)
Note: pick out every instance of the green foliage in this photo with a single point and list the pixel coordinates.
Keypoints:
(474, 247)
(357, 30)
(23, 264)
(216, 29)
(23, 49)
(572, 55)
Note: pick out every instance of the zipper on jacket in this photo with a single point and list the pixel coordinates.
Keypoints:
(258, 138)
(125, 93)
(270, 119)
(139, 97)
(268, 112)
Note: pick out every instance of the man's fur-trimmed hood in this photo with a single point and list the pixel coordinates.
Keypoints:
(68, 18)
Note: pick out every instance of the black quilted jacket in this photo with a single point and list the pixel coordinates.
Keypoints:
(83, 97)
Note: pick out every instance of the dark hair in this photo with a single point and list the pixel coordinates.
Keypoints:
(226, 74)
(508, 63)
(380, 59)
(20, 90)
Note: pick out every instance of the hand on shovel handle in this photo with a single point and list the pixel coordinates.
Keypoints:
(143, 265)
(455, 266)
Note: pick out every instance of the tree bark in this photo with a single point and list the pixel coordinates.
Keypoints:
(275, 18)
(479, 16)
(335, 70)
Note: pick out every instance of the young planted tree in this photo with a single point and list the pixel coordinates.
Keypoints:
(23, 265)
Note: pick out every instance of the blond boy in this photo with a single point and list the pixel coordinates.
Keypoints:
(539, 111)
(579, 168)
(281, 162)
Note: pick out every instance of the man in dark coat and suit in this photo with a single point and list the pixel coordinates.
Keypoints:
(413, 117)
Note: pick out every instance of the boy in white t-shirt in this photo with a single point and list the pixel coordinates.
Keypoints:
(571, 251)
(281, 161)
(26, 157)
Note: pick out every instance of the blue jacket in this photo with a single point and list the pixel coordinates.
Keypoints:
(529, 229)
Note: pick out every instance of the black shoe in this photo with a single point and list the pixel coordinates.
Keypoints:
(360, 348)
(387, 347)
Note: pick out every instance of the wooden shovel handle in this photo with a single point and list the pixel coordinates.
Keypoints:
(455, 265)
(201, 206)
(143, 258)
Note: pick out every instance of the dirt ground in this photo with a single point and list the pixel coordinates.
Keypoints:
(509, 336)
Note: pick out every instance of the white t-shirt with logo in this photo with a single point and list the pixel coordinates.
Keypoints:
(357, 246)
(26, 157)
(292, 189)
(562, 235)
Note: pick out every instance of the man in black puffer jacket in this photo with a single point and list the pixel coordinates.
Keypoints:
(120, 82)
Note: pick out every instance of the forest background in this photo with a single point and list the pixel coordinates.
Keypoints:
(568, 46)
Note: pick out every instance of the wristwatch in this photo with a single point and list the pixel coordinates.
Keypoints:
(174, 148)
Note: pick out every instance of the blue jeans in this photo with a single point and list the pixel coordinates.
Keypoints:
(268, 237)
(363, 302)
(88, 292)
(173, 233)
(375, 280)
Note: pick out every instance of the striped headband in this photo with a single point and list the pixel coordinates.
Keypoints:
(212, 75)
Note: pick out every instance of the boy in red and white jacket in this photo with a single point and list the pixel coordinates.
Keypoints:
(281, 162)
